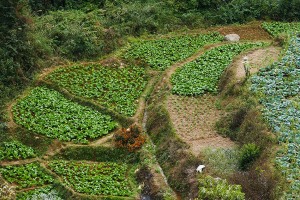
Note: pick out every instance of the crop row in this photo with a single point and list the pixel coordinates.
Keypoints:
(26, 176)
(15, 150)
(115, 88)
(203, 74)
(278, 86)
(103, 178)
(47, 112)
(162, 53)
(277, 28)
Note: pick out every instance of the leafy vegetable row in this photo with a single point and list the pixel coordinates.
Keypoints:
(47, 112)
(162, 53)
(116, 88)
(103, 178)
(203, 74)
(15, 150)
(26, 176)
(277, 28)
(279, 86)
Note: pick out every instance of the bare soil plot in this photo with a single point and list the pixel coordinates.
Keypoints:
(194, 120)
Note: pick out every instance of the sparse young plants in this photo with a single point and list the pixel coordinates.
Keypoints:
(47, 112)
(115, 88)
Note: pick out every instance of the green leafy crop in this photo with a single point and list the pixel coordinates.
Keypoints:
(203, 74)
(116, 88)
(105, 178)
(47, 112)
(15, 150)
(162, 53)
(47, 192)
(278, 87)
(210, 188)
(26, 176)
(277, 28)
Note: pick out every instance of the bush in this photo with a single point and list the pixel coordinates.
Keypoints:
(130, 138)
(217, 189)
(249, 153)
(75, 34)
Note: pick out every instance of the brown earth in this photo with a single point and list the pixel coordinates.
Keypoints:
(194, 120)
(251, 31)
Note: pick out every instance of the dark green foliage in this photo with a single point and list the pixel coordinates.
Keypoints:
(249, 153)
(74, 34)
(99, 154)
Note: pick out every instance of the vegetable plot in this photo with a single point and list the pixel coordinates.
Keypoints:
(26, 176)
(278, 86)
(277, 28)
(47, 192)
(203, 74)
(47, 112)
(15, 150)
(103, 178)
(115, 88)
(162, 53)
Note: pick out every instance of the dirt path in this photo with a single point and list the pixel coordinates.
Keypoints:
(257, 59)
(18, 162)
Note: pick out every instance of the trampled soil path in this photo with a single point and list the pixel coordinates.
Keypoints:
(257, 59)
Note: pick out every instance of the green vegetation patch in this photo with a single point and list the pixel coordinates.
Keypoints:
(47, 112)
(26, 176)
(203, 74)
(104, 178)
(277, 28)
(47, 192)
(211, 188)
(115, 88)
(162, 53)
(278, 88)
(15, 150)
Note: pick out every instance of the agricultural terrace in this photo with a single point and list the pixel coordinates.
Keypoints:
(277, 28)
(115, 88)
(103, 178)
(26, 176)
(162, 53)
(15, 150)
(278, 88)
(101, 169)
(203, 74)
(47, 112)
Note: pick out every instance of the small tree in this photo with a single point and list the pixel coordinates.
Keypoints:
(130, 138)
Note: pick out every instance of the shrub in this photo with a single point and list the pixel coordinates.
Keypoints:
(249, 153)
(75, 34)
(130, 138)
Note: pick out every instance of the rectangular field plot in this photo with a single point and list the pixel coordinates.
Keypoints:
(115, 88)
(47, 112)
(103, 178)
(162, 53)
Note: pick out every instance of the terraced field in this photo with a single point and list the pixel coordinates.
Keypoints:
(77, 106)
